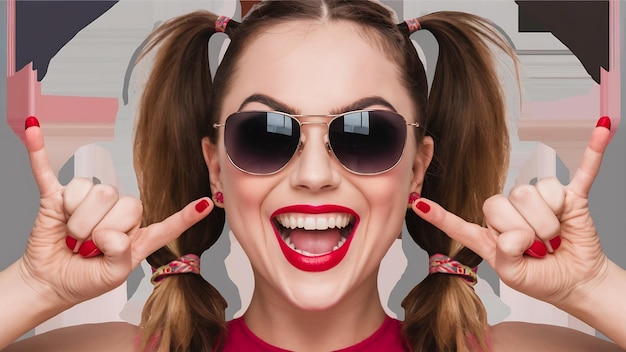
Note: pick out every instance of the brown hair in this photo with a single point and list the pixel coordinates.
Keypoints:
(185, 312)
(465, 115)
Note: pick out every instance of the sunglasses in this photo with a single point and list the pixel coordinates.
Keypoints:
(365, 142)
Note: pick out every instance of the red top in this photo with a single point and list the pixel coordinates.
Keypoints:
(387, 338)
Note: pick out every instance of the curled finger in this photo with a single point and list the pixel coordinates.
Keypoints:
(75, 192)
(553, 193)
(537, 213)
(502, 216)
(124, 216)
(93, 208)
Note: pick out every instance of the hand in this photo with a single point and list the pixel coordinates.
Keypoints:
(534, 216)
(103, 228)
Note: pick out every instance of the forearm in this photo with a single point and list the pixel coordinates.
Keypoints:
(23, 306)
(604, 307)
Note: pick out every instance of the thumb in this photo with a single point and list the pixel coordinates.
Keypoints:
(470, 235)
(157, 235)
(510, 252)
(115, 247)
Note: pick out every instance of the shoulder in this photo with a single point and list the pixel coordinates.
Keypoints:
(519, 336)
(114, 336)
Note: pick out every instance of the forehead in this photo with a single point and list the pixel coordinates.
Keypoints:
(315, 67)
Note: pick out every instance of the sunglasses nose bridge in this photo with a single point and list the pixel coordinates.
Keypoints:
(303, 136)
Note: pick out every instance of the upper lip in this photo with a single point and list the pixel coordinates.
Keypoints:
(315, 209)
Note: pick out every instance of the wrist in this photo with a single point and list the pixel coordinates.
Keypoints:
(600, 302)
(27, 303)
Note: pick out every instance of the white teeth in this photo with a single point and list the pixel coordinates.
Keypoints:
(310, 223)
(292, 220)
(314, 221)
(322, 224)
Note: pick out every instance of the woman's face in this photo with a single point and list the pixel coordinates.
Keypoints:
(316, 68)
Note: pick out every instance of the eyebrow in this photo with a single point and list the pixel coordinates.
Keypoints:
(276, 105)
(270, 102)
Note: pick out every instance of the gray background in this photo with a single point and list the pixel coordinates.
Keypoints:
(19, 196)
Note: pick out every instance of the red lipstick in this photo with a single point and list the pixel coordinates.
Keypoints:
(314, 263)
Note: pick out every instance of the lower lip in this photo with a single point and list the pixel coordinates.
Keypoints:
(316, 263)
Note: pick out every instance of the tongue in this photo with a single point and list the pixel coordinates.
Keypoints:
(315, 242)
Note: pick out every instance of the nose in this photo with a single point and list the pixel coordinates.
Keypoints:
(314, 170)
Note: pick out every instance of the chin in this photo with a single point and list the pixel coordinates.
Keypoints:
(315, 297)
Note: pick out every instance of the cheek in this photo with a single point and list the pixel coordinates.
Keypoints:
(387, 196)
(245, 199)
(243, 195)
(392, 189)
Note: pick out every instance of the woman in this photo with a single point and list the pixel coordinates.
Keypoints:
(314, 137)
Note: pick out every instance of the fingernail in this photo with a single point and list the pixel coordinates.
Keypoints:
(70, 242)
(202, 205)
(537, 250)
(605, 122)
(88, 249)
(30, 122)
(555, 243)
(413, 197)
(423, 207)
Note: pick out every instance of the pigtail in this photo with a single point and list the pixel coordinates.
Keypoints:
(465, 115)
(184, 312)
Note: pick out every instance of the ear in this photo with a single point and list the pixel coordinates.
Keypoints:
(423, 157)
(211, 158)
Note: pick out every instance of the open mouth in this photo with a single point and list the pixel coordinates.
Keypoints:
(314, 234)
(314, 238)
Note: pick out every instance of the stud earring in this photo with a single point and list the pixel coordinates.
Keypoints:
(219, 197)
(413, 197)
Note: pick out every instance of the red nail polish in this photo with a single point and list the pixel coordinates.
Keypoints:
(70, 242)
(605, 122)
(537, 250)
(88, 249)
(555, 242)
(202, 205)
(30, 122)
(423, 207)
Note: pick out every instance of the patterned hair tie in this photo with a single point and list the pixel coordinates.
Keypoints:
(413, 25)
(189, 263)
(221, 23)
(440, 263)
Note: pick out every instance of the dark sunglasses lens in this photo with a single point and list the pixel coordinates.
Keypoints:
(261, 142)
(368, 142)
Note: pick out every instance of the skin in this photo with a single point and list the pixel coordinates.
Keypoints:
(339, 307)
(283, 303)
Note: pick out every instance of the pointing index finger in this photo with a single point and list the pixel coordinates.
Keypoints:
(592, 158)
(156, 235)
(470, 235)
(44, 176)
